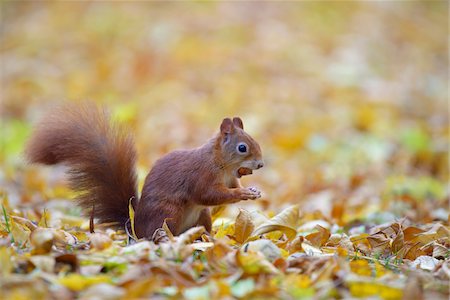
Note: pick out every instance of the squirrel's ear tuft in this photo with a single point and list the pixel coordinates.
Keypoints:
(227, 126)
(238, 122)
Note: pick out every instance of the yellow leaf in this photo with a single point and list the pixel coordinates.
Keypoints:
(140, 287)
(367, 289)
(216, 212)
(44, 221)
(298, 280)
(284, 253)
(131, 213)
(243, 226)
(77, 282)
(225, 228)
(361, 267)
(380, 270)
(275, 236)
(285, 221)
(73, 221)
(6, 265)
(19, 232)
(167, 230)
(253, 263)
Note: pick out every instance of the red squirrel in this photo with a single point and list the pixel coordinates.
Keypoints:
(180, 187)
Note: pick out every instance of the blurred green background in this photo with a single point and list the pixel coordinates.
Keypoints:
(349, 100)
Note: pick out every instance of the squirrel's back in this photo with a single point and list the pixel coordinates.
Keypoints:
(101, 157)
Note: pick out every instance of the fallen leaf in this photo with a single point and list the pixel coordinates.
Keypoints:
(253, 263)
(243, 226)
(77, 282)
(285, 221)
(319, 238)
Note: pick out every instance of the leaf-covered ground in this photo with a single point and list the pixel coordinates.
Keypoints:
(348, 100)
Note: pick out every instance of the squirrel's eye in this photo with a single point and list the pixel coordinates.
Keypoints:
(242, 148)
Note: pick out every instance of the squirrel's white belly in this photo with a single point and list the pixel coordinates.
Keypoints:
(191, 217)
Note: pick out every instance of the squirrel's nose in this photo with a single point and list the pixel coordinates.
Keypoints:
(260, 165)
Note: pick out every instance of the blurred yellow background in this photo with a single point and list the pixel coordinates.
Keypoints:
(348, 100)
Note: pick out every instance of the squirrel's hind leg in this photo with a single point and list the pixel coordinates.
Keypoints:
(205, 219)
(147, 224)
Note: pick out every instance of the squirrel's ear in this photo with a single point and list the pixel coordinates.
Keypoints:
(226, 127)
(238, 122)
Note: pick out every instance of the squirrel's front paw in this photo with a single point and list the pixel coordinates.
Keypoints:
(250, 193)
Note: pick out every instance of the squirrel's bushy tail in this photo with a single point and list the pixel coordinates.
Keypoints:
(101, 157)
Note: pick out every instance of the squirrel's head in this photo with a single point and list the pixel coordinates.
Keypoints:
(240, 152)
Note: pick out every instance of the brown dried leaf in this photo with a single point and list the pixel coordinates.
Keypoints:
(285, 221)
(243, 226)
(398, 242)
(190, 235)
(319, 238)
(378, 242)
(411, 233)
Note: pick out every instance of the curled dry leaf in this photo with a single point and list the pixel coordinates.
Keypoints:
(25, 222)
(378, 242)
(319, 238)
(285, 221)
(310, 249)
(190, 235)
(182, 247)
(243, 226)
(160, 236)
(64, 238)
(398, 242)
(295, 245)
(19, 232)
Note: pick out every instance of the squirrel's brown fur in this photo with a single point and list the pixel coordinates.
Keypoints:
(179, 188)
(101, 157)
